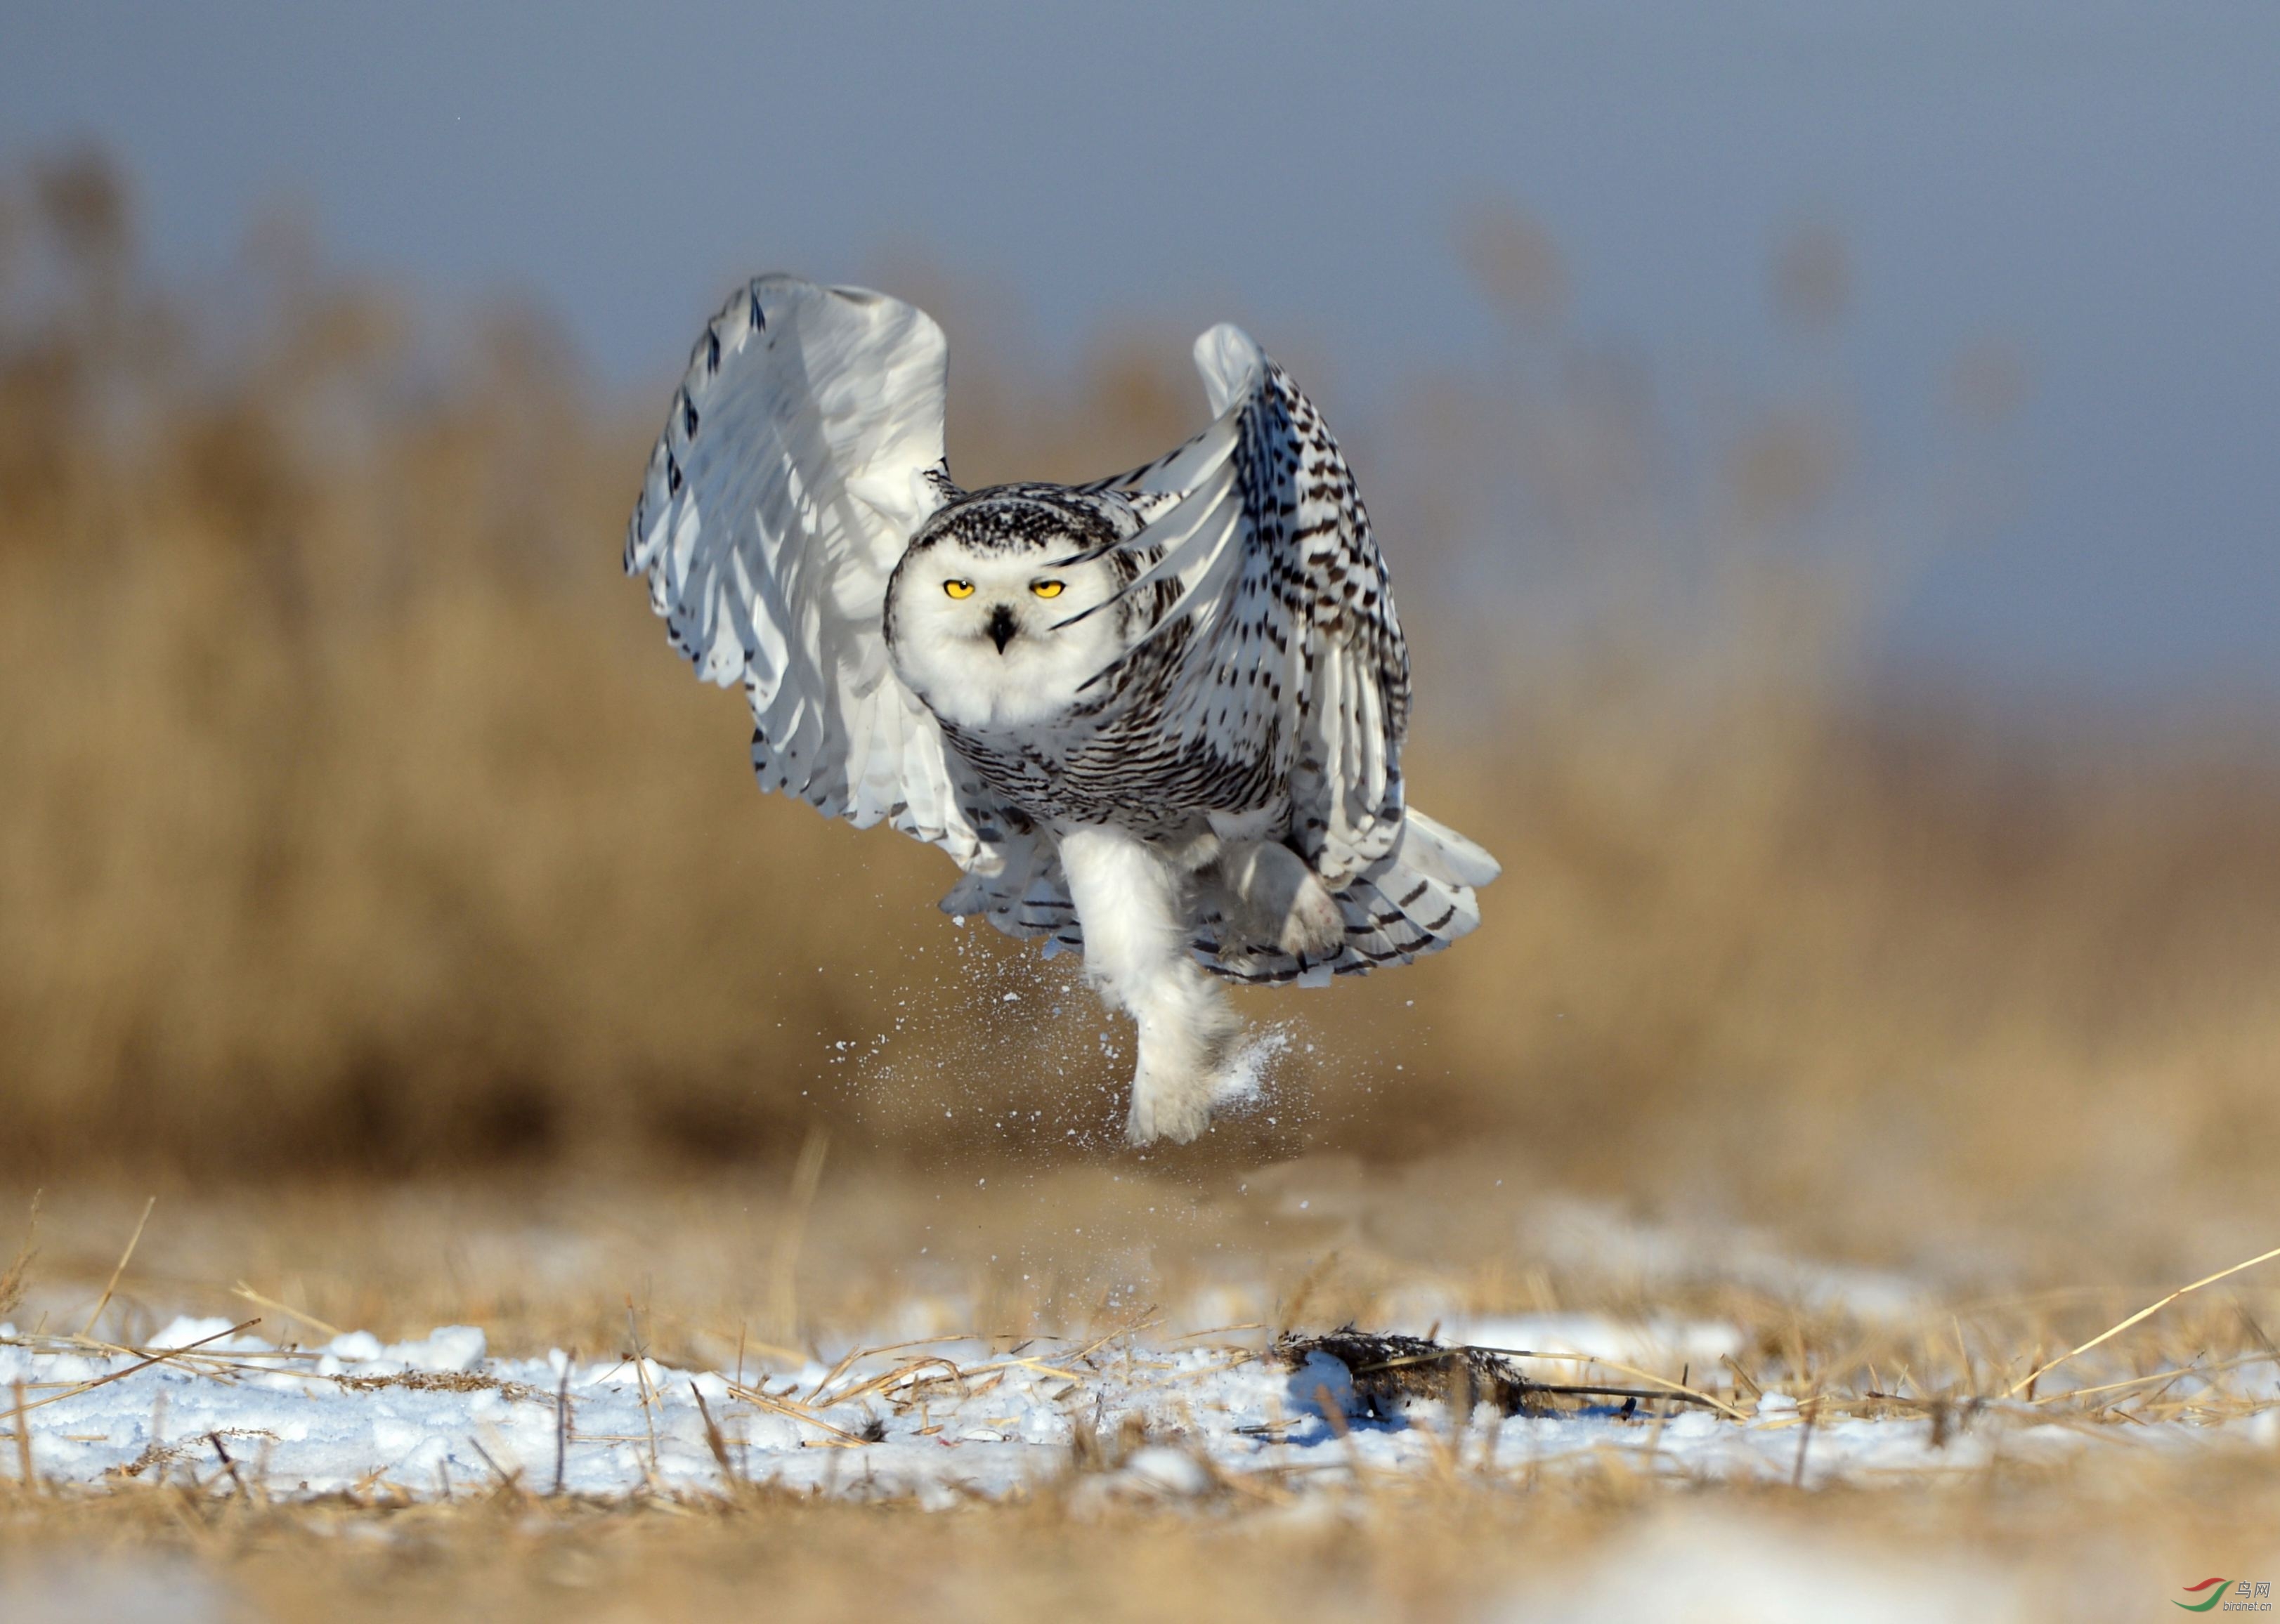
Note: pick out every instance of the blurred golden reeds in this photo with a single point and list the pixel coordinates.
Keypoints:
(353, 813)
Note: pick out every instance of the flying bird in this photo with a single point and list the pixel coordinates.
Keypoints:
(1156, 719)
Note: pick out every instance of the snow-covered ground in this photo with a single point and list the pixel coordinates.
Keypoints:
(1172, 1416)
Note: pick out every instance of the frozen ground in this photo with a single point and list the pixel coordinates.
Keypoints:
(1162, 1415)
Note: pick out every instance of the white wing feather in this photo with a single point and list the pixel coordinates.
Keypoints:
(803, 451)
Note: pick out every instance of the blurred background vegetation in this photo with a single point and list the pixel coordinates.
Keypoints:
(355, 818)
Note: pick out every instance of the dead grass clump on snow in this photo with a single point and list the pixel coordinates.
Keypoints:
(542, 1265)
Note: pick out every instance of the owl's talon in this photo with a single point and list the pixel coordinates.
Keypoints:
(1270, 900)
(1313, 928)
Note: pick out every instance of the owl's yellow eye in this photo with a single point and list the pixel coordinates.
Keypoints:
(959, 588)
(1046, 588)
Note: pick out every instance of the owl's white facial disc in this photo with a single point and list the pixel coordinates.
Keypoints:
(986, 621)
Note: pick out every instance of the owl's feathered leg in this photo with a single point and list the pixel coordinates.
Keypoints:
(1131, 901)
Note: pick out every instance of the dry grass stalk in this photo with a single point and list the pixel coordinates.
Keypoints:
(510, 1484)
(783, 1274)
(228, 1465)
(637, 1354)
(562, 1422)
(2141, 1315)
(76, 1388)
(125, 1257)
(19, 1271)
(240, 1290)
(1809, 1412)
(27, 1479)
(730, 1480)
(765, 1400)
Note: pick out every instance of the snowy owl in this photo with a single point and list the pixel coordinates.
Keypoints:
(1156, 719)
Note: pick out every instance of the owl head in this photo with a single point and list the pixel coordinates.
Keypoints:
(986, 615)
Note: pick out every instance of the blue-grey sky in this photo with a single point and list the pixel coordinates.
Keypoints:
(2095, 185)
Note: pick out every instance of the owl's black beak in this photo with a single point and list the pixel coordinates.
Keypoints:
(1002, 627)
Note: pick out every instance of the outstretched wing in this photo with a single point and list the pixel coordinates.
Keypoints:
(803, 451)
(1293, 669)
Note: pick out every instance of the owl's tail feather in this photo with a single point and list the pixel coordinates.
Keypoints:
(1416, 899)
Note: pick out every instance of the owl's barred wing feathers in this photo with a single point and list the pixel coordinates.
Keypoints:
(1294, 662)
(802, 449)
